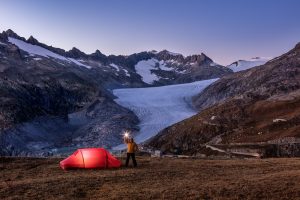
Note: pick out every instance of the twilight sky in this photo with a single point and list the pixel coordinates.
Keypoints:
(225, 30)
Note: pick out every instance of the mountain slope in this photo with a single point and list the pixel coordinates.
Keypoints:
(277, 77)
(257, 105)
(39, 91)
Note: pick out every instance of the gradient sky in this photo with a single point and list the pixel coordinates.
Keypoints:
(225, 30)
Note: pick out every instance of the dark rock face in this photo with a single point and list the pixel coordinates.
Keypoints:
(25, 101)
(10, 33)
(75, 53)
(258, 105)
(166, 55)
(39, 99)
(99, 56)
(32, 40)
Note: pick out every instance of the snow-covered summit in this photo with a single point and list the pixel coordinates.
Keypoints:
(241, 65)
(173, 54)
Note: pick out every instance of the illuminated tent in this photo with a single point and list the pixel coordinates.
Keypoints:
(90, 158)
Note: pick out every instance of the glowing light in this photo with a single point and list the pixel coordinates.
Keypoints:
(126, 134)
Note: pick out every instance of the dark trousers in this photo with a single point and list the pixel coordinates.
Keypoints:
(132, 155)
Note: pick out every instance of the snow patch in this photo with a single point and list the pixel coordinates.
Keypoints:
(34, 49)
(115, 66)
(3, 44)
(173, 54)
(126, 72)
(79, 63)
(159, 107)
(144, 67)
(213, 117)
(191, 63)
(213, 64)
(181, 71)
(247, 64)
(163, 66)
(279, 120)
(174, 62)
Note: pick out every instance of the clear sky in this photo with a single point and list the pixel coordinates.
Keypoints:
(225, 30)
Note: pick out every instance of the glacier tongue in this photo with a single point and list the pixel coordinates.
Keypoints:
(159, 107)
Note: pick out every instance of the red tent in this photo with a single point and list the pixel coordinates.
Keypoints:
(90, 158)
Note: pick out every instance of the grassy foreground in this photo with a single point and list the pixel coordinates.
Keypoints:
(155, 178)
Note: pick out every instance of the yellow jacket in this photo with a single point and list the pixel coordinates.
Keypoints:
(131, 147)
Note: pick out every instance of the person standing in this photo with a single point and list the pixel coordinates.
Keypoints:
(131, 149)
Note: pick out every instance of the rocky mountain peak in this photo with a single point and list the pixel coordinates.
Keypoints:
(98, 53)
(199, 58)
(11, 33)
(32, 40)
(154, 51)
(167, 55)
(75, 53)
(3, 36)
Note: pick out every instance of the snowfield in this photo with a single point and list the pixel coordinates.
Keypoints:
(34, 50)
(247, 64)
(159, 107)
(116, 67)
(144, 69)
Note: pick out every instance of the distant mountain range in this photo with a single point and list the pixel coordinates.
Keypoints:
(52, 99)
(140, 69)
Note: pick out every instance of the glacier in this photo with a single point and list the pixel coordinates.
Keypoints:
(159, 107)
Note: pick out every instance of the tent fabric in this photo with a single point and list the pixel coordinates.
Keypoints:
(90, 158)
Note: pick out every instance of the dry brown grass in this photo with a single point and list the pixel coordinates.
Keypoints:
(155, 178)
